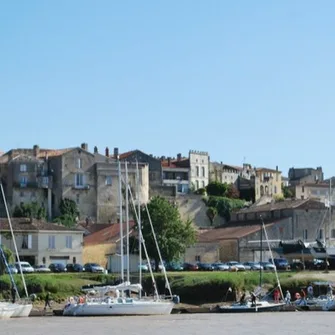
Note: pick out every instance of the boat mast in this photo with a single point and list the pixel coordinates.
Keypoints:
(13, 238)
(261, 255)
(139, 224)
(121, 219)
(271, 255)
(127, 221)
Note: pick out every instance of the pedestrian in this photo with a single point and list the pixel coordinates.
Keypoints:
(253, 299)
(47, 301)
(13, 292)
(310, 291)
(288, 298)
(303, 297)
(330, 291)
(276, 295)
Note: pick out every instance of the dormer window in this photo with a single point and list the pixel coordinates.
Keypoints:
(23, 168)
(79, 164)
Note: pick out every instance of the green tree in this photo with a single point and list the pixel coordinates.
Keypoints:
(211, 213)
(69, 213)
(32, 210)
(173, 234)
(225, 206)
(9, 258)
(232, 192)
(287, 192)
(217, 189)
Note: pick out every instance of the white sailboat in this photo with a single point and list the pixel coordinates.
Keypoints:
(120, 304)
(23, 307)
(260, 305)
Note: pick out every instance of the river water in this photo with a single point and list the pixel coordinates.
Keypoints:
(193, 324)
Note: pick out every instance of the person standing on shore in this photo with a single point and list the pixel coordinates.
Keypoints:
(288, 298)
(47, 301)
(310, 291)
(13, 292)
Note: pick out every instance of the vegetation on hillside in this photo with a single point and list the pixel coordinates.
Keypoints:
(287, 192)
(32, 210)
(9, 258)
(69, 213)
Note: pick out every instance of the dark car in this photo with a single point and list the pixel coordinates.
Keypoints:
(205, 267)
(74, 268)
(174, 267)
(281, 264)
(190, 267)
(94, 267)
(57, 267)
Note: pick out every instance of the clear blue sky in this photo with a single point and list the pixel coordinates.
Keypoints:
(238, 79)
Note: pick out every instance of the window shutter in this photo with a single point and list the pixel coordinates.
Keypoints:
(30, 241)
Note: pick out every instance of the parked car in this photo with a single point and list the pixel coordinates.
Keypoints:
(190, 267)
(42, 268)
(173, 266)
(26, 267)
(252, 266)
(220, 267)
(281, 264)
(235, 266)
(205, 267)
(74, 268)
(57, 267)
(297, 265)
(144, 267)
(94, 267)
(268, 266)
(11, 269)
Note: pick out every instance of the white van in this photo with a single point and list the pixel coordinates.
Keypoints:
(26, 267)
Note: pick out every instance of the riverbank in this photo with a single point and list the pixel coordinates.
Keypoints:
(194, 288)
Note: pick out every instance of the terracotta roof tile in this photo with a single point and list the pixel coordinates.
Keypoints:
(109, 234)
(183, 163)
(23, 224)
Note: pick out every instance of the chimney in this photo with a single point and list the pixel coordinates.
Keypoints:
(169, 161)
(277, 168)
(84, 146)
(178, 157)
(36, 150)
(107, 152)
(95, 149)
(116, 153)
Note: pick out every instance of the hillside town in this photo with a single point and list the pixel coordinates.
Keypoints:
(296, 207)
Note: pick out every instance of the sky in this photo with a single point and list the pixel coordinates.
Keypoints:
(243, 80)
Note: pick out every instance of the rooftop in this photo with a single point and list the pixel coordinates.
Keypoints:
(110, 234)
(182, 163)
(267, 169)
(286, 204)
(24, 224)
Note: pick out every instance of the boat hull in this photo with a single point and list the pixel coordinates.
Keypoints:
(6, 312)
(249, 309)
(106, 309)
(22, 311)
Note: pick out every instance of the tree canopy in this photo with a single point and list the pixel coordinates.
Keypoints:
(173, 234)
(9, 258)
(69, 213)
(32, 210)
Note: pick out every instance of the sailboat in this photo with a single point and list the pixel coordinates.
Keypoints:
(22, 308)
(120, 304)
(260, 305)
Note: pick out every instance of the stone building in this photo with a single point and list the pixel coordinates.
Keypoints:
(89, 179)
(240, 239)
(268, 183)
(305, 175)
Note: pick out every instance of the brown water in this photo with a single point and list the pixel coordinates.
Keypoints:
(193, 324)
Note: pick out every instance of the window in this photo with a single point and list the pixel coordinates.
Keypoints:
(275, 190)
(26, 242)
(332, 234)
(197, 258)
(303, 189)
(109, 180)
(305, 237)
(23, 168)
(321, 234)
(79, 163)
(203, 171)
(77, 199)
(203, 184)
(197, 184)
(68, 242)
(79, 179)
(23, 181)
(197, 171)
(52, 242)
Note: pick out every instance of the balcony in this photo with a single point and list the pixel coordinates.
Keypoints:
(81, 187)
(28, 184)
(44, 182)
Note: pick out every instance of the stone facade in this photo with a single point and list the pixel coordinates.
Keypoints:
(268, 183)
(305, 175)
(199, 169)
(98, 253)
